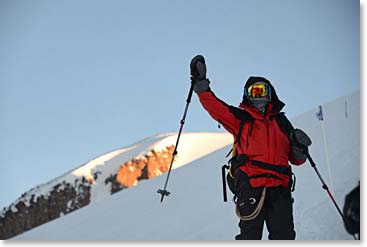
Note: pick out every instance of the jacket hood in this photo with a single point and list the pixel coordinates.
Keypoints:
(277, 104)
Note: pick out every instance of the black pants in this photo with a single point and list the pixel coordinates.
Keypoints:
(277, 212)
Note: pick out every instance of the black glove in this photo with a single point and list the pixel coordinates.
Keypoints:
(300, 138)
(299, 144)
(198, 74)
(198, 68)
(298, 153)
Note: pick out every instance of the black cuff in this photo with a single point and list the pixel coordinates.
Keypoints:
(201, 86)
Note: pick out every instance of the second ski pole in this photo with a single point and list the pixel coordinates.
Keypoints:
(324, 186)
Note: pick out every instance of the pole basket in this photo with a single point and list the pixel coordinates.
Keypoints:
(164, 192)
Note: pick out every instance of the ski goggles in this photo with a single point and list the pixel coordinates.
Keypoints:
(259, 89)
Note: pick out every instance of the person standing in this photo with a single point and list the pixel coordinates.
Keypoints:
(260, 166)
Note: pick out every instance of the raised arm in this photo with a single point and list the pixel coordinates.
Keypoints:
(217, 109)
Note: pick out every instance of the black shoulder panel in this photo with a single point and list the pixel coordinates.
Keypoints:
(240, 114)
(284, 124)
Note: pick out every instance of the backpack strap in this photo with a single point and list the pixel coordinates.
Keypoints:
(285, 170)
(239, 134)
(244, 117)
(284, 124)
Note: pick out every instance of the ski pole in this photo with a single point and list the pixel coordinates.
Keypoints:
(324, 186)
(164, 192)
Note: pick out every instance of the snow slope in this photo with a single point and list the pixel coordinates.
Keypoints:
(109, 163)
(195, 210)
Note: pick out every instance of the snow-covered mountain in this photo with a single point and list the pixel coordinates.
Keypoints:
(195, 209)
(103, 176)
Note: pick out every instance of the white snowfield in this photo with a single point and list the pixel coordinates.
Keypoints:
(195, 209)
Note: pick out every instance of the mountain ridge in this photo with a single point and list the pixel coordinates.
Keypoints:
(95, 180)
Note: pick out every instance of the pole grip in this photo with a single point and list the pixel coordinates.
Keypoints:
(189, 96)
(310, 158)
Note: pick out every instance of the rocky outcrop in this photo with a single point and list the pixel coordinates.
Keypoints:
(151, 165)
(66, 197)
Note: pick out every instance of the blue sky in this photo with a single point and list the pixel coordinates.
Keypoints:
(82, 78)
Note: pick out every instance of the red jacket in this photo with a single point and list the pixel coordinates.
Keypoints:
(262, 139)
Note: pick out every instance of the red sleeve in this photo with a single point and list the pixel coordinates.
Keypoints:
(219, 111)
